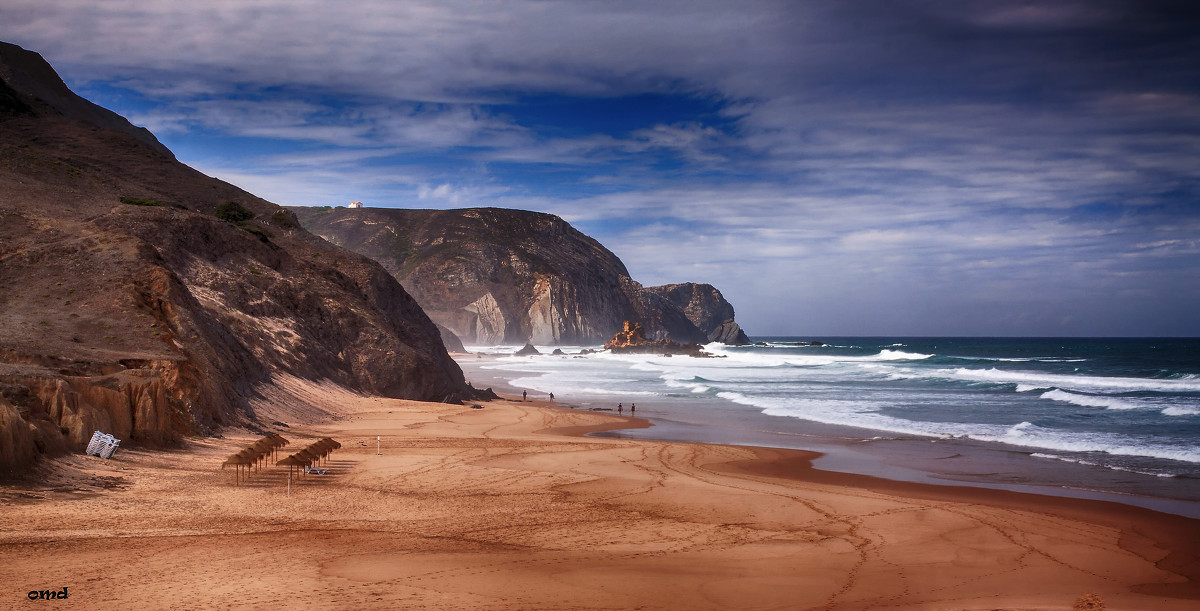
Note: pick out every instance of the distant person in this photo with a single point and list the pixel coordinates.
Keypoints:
(620, 408)
(632, 408)
(551, 396)
(524, 395)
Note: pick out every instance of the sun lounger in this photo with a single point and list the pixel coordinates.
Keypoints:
(317, 470)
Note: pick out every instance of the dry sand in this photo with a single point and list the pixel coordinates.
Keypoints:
(506, 507)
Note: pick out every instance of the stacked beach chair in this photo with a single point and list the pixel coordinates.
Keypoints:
(102, 445)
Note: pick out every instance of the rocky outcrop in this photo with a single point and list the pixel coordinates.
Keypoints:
(127, 305)
(498, 276)
(706, 308)
(729, 332)
(632, 339)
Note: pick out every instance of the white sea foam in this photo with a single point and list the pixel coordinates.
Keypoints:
(1080, 461)
(1090, 400)
(1025, 434)
(1181, 411)
(1029, 387)
(900, 355)
(1073, 382)
(1029, 435)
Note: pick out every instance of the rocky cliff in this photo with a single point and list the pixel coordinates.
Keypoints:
(499, 276)
(128, 305)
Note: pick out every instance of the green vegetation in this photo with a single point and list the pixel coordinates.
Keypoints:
(284, 219)
(238, 214)
(138, 201)
(233, 212)
(262, 234)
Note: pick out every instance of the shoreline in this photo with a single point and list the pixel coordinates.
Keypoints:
(843, 449)
(1178, 535)
(499, 508)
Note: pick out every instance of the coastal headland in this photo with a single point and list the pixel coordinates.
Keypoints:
(509, 507)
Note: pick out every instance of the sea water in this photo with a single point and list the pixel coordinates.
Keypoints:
(1127, 409)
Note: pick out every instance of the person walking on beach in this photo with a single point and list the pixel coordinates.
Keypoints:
(632, 409)
(551, 396)
(620, 407)
(524, 395)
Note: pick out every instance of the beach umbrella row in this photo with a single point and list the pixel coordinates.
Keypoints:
(314, 453)
(250, 456)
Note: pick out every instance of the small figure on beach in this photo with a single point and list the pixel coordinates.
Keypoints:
(620, 407)
(632, 408)
(524, 395)
(551, 396)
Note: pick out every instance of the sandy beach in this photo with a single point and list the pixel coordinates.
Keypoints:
(509, 507)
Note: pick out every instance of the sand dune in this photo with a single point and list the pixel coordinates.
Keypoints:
(505, 508)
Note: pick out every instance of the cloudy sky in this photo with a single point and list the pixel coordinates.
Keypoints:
(853, 167)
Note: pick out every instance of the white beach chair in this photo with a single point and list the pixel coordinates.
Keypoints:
(93, 446)
(110, 448)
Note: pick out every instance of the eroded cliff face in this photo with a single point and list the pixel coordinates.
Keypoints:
(127, 306)
(499, 276)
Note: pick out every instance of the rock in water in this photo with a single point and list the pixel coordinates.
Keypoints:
(706, 308)
(528, 350)
(632, 339)
(729, 332)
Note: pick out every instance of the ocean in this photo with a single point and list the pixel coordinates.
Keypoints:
(1102, 418)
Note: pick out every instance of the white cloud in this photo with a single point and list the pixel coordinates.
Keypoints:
(859, 155)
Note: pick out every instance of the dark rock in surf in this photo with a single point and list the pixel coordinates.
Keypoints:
(528, 350)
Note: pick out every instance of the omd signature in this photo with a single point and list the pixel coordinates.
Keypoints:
(48, 594)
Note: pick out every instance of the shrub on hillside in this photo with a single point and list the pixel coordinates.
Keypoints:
(138, 201)
(262, 234)
(285, 219)
(233, 212)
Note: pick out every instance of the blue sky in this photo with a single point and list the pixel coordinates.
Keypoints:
(859, 167)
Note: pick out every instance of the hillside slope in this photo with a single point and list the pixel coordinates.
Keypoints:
(127, 306)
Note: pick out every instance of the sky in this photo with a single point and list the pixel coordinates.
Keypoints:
(859, 167)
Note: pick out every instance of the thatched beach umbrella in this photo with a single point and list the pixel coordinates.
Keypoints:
(277, 441)
(261, 449)
(291, 461)
(238, 461)
(309, 457)
(320, 448)
(324, 447)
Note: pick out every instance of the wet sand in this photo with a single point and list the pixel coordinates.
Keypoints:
(507, 507)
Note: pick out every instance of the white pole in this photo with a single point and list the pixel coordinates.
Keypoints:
(378, 451)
